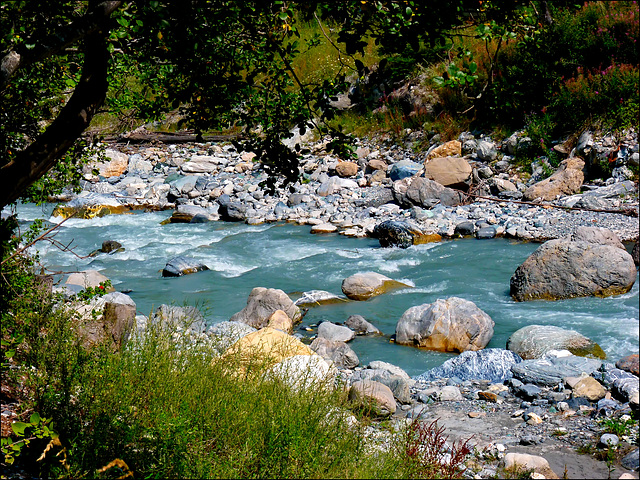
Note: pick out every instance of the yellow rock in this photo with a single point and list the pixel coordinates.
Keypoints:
(263, 348)
(280, 321)
(448, 149)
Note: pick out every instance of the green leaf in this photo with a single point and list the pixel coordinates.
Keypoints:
(439, 81)
(35, 418)
(18, 427)
(473, 67)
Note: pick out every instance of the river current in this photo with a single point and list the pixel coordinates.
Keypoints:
(288, 257)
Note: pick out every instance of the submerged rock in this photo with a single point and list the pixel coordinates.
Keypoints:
(358, 324)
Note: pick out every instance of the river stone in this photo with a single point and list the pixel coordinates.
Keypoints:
(347, 169)
(533, 341)
(589, 388)
(337, 352)
(281, 321)
(597, 236)
(550, 370)
(335, 333)
(303, 372)
(376, 397)
(394, 233)
(314, 298)
(629, 364)
(486, 151)
(115, 166)
(453, 172)
(464, 229)
(363, 286)
(447, 325)
(529, 462)
(484, 233)
(178, 266)
(567, 180)
(425, 193)
(114, 326)
(87, 279)
(448, 149)
(564, 268)
(261, 304)
(358, 324)
(202, 164)
(109, 246)
(493, 364)
(267, 346)
(631, 461)
(403, 169)
(324, 228)
(400, 385)
(90, 205)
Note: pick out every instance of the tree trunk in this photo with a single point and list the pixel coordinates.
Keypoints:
(41, 156)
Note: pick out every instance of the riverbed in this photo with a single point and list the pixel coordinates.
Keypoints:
(288, 257)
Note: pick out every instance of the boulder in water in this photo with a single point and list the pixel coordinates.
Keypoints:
(261, 304)
(447, 325)
(577, 266)
(335, 333)
(178, 266)
(393, 233)
(358, 324)
(363, 286)
(314, 298)
(534, 341)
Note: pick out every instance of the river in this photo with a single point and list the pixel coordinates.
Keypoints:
(288, 257)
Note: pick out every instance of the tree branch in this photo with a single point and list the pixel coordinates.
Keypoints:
(39, 157)
(74, 32)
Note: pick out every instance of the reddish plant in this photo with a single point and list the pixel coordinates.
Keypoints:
(429, 453)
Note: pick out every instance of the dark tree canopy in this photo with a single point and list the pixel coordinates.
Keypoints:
(220, 62)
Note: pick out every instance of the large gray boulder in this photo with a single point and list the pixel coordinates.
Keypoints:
(533, 341)
(337, 352)
(550, 370)
(493, 364)
(178, 266)
(262, 303)
(398, 233)
(425, 193)
(581, 265)
(314, 298)
(447, 325)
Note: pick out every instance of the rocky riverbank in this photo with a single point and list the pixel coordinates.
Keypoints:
(465, 187)
(548, 404)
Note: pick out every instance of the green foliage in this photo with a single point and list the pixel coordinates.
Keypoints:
(91, 292)
(36, 428)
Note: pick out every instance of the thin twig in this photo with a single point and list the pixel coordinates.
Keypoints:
(19, 251)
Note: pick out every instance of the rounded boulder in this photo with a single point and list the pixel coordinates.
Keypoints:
(447, 325)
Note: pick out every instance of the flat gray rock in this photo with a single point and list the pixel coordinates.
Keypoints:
(550, 371)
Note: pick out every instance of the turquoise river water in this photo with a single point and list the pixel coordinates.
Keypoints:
(288, 257)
